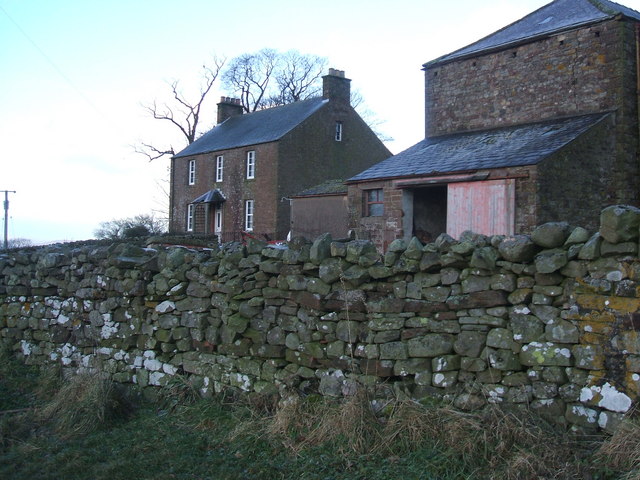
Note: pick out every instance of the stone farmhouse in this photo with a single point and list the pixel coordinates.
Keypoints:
(239, 176)
(536, 122)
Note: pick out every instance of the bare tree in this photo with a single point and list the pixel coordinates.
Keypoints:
(182, 113)
(249, 76)
(268, 78)
(299, 77)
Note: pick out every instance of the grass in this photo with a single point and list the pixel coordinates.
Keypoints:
(86, 428)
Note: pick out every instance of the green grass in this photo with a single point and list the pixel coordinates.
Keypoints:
(47, 432)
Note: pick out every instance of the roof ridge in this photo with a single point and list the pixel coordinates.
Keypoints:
(552, 18)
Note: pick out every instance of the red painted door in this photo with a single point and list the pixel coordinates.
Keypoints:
(483, 207)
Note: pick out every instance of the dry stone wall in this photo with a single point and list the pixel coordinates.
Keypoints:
(549, 321)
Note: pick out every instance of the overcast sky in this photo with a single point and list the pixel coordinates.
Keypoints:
(75, 72)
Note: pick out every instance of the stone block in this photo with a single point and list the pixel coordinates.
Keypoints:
(431, 345)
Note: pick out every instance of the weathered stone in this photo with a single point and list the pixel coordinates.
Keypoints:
(620, 223)
(331, 269)
(362, 252)
(485, 258)
(444, 379)
(393, 351)
(549, 261)
(445, 363)
(551, 235)
(412, 366)
(614, 249)
(398, 245)
(469, 344)
(491, 298)
(504, 281)
(436, 294)
(431, 345)
(562, 331)
(501, 359)
(430, 261)
(414, 249)
(526, 328)
(501, 338)
(518, 248)
(320, 249)
(474, 283)
(547, 353)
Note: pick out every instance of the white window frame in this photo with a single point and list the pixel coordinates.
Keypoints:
(248, 215)
(338, 136)
(192, 172)
(251, 165)
(217, 220)
(190, 217)
(219, 168)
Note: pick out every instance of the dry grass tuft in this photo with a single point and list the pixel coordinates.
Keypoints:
(81, 405)
(492, 443)
(621, 451)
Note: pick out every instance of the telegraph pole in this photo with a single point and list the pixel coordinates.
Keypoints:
(6, 217)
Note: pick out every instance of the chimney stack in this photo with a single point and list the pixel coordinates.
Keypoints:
(228, 107)
(336, 87)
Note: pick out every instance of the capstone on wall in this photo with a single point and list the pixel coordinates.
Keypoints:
(548, 321)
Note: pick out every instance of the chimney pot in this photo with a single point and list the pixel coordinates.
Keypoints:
(336, 87)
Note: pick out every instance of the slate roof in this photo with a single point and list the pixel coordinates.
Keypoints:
(263, 126)
(330, 187)
(212, 196)
(504, 147)
(552, 18)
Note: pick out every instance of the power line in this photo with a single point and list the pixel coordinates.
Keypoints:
(52, 63)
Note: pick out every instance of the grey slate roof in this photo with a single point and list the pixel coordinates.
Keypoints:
(504, 147)
(555, 17)
(330, 187)
(212, 196)
(254, 128)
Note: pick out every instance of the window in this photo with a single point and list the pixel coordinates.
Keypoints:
(217, 227)
(192, 172)
(374, 203)
(248, 215)
(219, 167)
(251, 165)
(338, 131)
(190, 217)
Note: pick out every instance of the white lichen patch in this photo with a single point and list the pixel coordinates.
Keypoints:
(564, 352)
(121, 355)
(522, 309)
(166, 306)
(603, 420)
(169, 369)
(590, 415)
(62, 319)
(108, 329)
(241, 381)
(25, 347)
(155, 378)
(607, 396)
(517, 337)
(152, 364)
